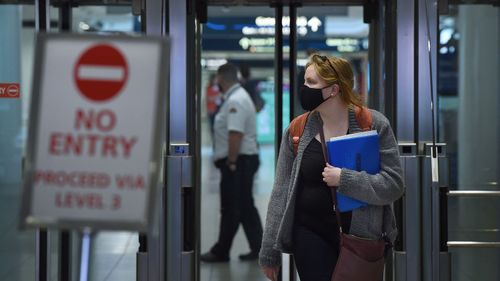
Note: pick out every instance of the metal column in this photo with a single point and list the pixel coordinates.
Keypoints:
(278, 94)
(42, 258)
(179, 263)
(390, 61)
(436, 259)
(421, 256)
(278, 75)
(405, 89)
(292, 39)
(42, 24)
(150, 260)
(425, 123)
(64, 255)
(65, 21)
(374, 15)
(172, 244)
(407, 260)
(180, 199)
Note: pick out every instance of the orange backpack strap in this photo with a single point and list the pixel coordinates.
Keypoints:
(363, 117)
(296, 129)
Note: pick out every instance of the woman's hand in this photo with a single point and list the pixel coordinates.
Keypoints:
(271, 272)
(331, 175)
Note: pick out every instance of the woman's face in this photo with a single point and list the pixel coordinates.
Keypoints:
(313, 80)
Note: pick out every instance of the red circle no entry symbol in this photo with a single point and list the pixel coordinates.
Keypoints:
(13, 91)
(101, 72)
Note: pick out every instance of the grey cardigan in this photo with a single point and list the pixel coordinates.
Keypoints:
(379, 190)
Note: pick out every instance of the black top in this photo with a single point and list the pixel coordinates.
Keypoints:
(314, 203)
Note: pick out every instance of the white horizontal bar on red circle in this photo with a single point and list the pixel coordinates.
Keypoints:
(98, 72)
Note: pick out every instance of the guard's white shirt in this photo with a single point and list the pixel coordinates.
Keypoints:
(237, 113)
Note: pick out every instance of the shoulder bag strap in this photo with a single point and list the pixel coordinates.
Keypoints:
(333, 189)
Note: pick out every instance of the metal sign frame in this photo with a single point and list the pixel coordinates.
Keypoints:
(26, 219)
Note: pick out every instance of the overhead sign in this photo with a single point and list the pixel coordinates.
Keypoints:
(10, 90)
(262, 26)
(94, 155)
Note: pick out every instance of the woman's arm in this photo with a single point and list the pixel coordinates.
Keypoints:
(268, 256)
(386, 186)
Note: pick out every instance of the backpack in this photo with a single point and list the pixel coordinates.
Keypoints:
(363, 117)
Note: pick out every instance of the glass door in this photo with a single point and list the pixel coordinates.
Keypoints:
(245, 37)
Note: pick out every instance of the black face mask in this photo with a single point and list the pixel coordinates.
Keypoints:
(310, 98)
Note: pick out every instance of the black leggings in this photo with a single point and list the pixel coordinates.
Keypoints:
(315, 259)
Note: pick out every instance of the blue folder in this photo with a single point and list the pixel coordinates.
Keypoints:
(359, 152)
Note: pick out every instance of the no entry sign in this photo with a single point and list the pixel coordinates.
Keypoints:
(9, 90)
(101, 72)
(94, 153)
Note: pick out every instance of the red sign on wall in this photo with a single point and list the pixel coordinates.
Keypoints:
(10, 90)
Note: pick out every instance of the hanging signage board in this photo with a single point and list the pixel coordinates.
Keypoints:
(93, 157)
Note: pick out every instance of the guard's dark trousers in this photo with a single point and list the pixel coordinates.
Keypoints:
(237, 205)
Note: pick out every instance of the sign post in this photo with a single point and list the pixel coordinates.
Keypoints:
(94, 151)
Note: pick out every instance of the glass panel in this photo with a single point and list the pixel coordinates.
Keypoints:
(485, 267)
(245, 36)
(115, 257)
(105, 19)
(469, 98)
(17, 248)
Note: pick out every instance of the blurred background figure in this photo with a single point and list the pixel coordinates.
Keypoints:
(236, 155)
(251, 86)
(213, 101)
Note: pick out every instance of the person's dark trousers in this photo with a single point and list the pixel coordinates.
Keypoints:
(237, 205)
(315, 259)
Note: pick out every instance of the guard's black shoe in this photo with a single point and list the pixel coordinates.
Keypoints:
(249, 257)
(211, 257)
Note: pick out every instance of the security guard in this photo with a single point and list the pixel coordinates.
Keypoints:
(236, 155)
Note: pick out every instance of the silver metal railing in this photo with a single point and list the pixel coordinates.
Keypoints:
(473, 244)
(473, 193)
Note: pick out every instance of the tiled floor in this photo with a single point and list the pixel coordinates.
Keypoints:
(114, 253)
(17, 248)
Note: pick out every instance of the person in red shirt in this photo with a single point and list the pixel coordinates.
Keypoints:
(213, 101)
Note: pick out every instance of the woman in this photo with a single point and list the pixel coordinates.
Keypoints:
(300, 217)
